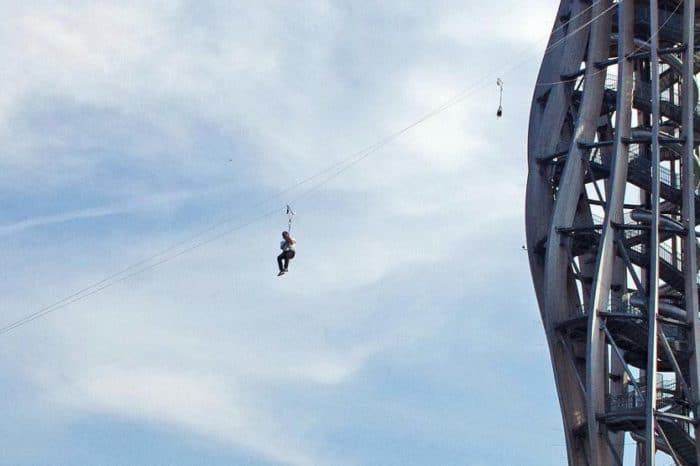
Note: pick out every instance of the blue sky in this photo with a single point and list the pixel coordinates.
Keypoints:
(406, 332)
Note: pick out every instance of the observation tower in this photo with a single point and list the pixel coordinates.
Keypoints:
(611, 207)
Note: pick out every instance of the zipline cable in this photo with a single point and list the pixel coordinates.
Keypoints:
(332, 171)
(104, 284)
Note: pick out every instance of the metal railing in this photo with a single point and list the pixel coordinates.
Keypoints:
(665, 251)
(674, 333)
(611, 82)
(642, 165)
(626, 307)
(642, 89)
(634, 401)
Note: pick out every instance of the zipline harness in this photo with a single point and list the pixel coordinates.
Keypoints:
(499, 112)
(290, 217)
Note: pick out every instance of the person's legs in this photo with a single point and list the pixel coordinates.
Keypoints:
(279, 261)
(288, 255)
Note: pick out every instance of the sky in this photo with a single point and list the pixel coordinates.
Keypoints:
(406, 332)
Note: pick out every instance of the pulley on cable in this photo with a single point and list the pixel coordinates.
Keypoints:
(499, 112)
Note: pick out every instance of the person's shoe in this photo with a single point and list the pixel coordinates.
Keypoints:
(281, 272)
(286, 270)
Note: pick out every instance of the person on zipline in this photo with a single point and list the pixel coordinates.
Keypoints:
(288, 247)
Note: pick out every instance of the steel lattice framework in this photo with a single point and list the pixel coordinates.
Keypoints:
(611, 226)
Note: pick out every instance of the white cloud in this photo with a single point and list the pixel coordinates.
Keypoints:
(154, 200)
(201, 404)
(505, 23)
